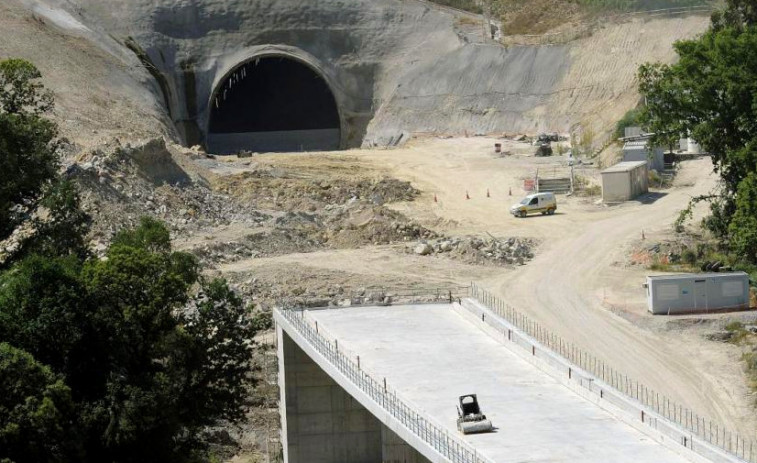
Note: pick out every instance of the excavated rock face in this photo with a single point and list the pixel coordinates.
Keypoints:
(269, 75)
(203, 52)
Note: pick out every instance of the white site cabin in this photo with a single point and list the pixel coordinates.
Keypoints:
(697, 292)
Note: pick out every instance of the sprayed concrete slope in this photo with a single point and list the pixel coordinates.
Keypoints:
(394, 67)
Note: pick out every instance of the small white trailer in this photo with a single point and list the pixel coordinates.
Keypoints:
(697, 292)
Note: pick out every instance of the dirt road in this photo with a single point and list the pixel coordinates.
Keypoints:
(578, 285)
(578, 273)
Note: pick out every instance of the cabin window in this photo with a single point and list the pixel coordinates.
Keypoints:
(732, 288)
(668, 292)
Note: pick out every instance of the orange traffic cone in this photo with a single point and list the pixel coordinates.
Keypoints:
(487, 193)
(511, 191)
(467, 196)
(436, 200)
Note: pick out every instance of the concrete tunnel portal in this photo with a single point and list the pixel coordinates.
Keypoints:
(273, 104)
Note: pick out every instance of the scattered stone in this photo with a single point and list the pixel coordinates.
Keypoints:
(477, 250)
(720, 336)
(424, 249)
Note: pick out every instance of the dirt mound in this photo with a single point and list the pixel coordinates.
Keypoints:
(474, 250)
(120, 184)
(352, 226)
(285, 190)
(349, 226)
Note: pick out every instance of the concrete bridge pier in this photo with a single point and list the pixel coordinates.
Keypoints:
(322, 423)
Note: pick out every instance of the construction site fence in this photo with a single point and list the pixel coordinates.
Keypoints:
(447, 444)
(707, 430)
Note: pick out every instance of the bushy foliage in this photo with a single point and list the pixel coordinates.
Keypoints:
(630, 119)
(123, 359)
(710, 94)
(36, 411)
(148, 364)
(28, 147)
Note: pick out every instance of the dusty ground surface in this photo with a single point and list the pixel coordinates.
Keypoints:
(580, 283)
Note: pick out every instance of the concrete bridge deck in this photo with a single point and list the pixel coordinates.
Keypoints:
(430, 355)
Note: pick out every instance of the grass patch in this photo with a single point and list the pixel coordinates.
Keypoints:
(639, 5)
(467, 5)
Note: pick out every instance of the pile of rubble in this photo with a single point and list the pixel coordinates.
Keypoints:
(348, 226)
(280, 189)
(320, 292)
(120, 184)
(475, 250)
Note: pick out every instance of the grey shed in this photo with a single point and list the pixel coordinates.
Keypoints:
(624, 181)
(639, 150)
(697, 292)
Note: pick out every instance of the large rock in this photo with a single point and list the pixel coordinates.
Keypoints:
(423, 249)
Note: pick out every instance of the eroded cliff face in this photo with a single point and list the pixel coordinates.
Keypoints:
(394, 67)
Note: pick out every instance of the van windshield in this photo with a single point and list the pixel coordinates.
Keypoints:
(525, 201)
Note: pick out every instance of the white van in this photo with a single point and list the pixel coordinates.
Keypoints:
(538, 202)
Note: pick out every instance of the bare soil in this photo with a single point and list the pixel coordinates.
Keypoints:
(318, 228)
(580, 283)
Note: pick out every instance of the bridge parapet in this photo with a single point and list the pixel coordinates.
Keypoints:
(434, 441)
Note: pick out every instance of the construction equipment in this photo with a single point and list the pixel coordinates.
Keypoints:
(544, 150)
(470, 419)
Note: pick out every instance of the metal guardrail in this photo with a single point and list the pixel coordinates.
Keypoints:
(687, 419)
(447, 444)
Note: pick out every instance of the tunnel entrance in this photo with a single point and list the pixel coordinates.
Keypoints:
(273, 104)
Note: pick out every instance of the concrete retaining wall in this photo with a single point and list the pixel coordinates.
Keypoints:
(391, 447)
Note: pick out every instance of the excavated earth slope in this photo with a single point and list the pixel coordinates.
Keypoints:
(394, 66)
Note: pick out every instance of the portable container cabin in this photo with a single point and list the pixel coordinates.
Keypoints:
(697, 292)
(639, 150)
(624, 181)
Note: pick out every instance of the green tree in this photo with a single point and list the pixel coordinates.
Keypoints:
(711, 94)
(36, 412)
(151, 361)
(61, 227)
(29, 159)
(45, 310)
(142, 352)
(743, 226)
(630, 118)
(219, 332)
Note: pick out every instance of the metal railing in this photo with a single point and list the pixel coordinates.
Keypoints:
(447, 444)
(706, 429)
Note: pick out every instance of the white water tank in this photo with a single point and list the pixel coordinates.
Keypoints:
(694, 147)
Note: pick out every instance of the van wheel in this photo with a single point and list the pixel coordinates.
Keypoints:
(551, 212)
(523, 214)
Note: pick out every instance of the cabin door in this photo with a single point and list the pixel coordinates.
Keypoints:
(700, 294)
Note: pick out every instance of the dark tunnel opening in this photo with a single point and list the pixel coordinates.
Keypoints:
(273, 104)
